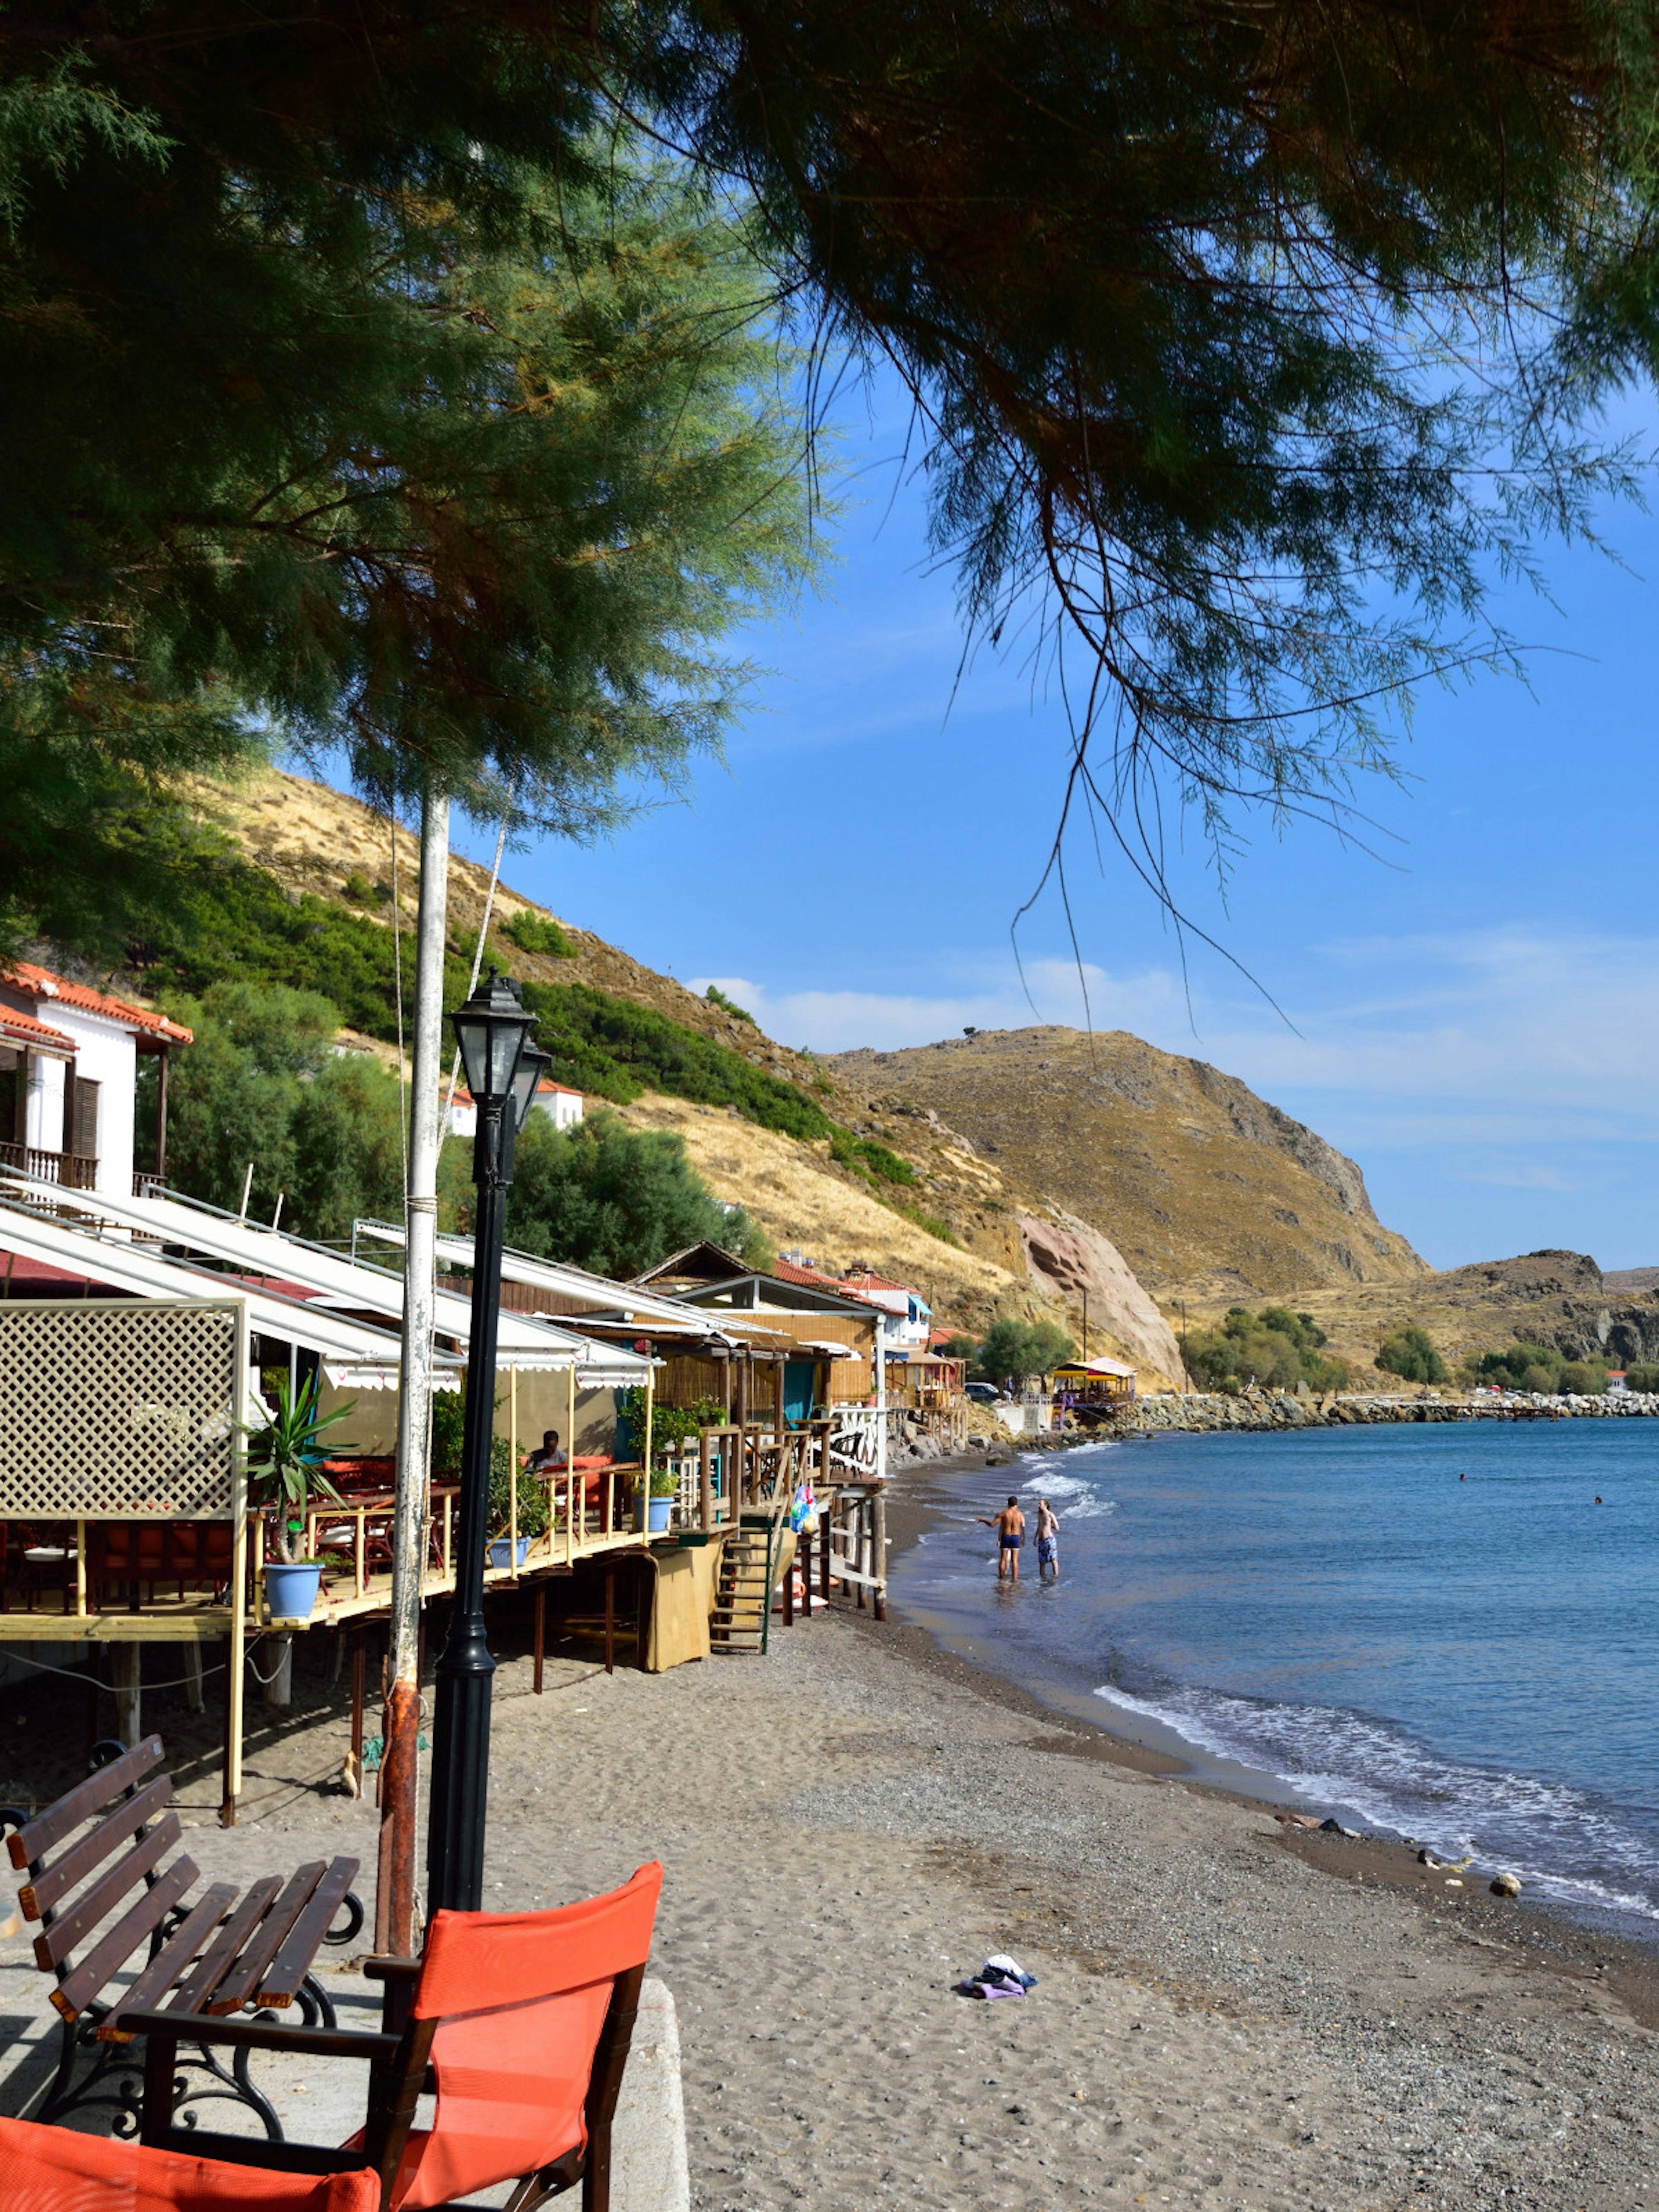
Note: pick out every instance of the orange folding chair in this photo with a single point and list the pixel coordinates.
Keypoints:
(46, 2169)
(521, 2024)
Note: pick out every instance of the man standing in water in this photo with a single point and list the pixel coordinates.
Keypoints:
(1010, 1525)
(1047, 1539)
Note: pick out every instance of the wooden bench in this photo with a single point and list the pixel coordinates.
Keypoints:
(113, 1888)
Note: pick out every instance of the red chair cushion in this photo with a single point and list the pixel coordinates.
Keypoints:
(59, 2169)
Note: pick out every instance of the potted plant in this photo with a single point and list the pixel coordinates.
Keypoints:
(284, 1465)
(652, 1509)
(533, 1514)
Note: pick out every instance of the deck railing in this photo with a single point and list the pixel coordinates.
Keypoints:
(74, 1171)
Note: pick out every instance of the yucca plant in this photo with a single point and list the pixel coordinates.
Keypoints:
(286, 1465)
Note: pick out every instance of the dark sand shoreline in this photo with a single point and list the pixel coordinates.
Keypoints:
(1546, 1932)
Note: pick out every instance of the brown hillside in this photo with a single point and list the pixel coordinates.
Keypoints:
(1210, 1193)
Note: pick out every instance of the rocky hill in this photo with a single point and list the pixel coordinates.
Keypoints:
(1211, 1194)
(1553, 1298)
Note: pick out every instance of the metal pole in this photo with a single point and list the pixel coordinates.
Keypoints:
(881, 1397)
(460, 1744)
(401, 1725)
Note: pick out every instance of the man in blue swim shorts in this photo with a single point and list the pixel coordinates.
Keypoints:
(1010, 1525)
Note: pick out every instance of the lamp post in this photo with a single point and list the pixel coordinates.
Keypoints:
(503, 1069)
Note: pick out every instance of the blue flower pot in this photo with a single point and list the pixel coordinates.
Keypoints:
(651, 1514)
(291, 1592)
(503, 1553)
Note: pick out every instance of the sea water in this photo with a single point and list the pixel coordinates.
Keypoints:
(1433, 1631)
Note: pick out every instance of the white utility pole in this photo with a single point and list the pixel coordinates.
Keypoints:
(394, 1915)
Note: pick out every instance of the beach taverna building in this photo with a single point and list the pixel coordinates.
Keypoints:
(832, 1332)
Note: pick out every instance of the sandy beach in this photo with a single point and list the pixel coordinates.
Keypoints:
(1224, 2016)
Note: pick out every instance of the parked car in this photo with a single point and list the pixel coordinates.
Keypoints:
(982, 1394)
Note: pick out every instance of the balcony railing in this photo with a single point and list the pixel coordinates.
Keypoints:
(73, 1170)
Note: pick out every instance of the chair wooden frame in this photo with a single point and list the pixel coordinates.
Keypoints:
(398, 2060)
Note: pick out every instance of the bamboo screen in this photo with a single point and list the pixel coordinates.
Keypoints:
(123, 1410)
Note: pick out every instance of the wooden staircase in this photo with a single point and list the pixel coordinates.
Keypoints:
(739, 1622)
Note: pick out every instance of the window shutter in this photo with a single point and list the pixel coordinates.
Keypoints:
(84, 1134)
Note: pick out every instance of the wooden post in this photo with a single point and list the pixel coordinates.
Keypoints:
(538, 1648)
(513, 1471)
(789, 1596)
(126, 1662)
(741, 1417)
(650, 1414)
(193, 1698)
(705, 1481)
(878, 1544)
(609, 1619)
(777, 1398)
(570, 1417)
(359, 1682)
(824, 1542)
(162, 1116)
(81, 1572)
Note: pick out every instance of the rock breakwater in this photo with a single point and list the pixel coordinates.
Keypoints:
(1270, 1409)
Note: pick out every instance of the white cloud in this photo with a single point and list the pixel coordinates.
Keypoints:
(1494, 1043)
(839, 1020)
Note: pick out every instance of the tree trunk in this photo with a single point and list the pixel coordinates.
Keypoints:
(394, 1930)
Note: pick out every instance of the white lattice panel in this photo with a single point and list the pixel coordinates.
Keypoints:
(118, 1411)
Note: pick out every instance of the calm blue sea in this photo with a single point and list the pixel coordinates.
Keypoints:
(1473, 1663)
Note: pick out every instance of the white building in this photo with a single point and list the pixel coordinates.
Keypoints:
(68, 1080)
(563, 1108)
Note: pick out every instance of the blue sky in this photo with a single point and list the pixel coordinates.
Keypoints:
(1476, 1019)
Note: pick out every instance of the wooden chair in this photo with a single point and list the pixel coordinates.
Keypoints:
(114, 1889)
(44, 2169)
(520, 2023)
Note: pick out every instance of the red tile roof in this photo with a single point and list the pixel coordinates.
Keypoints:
(40, 983)
(24, 1029)
(860, 1286)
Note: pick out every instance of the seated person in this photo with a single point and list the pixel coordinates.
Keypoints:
(549, 1457)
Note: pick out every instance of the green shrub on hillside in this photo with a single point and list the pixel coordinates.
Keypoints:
(716, 997)
(1643, 1378)
(241, 927)
(616, 1048)
(866, 1156)
(537, 932)
(1275, 1348)
(1410, 1355)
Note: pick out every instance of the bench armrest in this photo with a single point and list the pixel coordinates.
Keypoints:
(259, 2035)
(379, 1968)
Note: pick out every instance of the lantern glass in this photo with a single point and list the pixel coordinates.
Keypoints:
(526, 1080)
(491, 1029)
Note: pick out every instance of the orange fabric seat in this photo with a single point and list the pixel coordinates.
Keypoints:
(46, 2169)
(518, 2000)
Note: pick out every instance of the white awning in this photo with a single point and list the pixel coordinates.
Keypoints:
(339, 1287)
(598, 1291)
(128, 1267)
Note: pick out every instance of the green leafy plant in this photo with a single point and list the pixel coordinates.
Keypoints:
(534, 1512)
(1013, 1350)
(716, 997)
(537, 932)
(866, 1156)
(284, 1461)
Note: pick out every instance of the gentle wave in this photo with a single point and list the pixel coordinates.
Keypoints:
(1505, 1820)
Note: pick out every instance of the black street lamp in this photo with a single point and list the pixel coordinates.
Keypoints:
(503, 1069)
